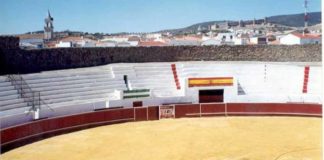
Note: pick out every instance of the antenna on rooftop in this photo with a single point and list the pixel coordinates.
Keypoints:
(305, 16)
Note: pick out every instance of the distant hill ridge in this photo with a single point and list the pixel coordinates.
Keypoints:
(291, 20)
(296, 20)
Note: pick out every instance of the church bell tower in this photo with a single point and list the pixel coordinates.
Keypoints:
(49, 28)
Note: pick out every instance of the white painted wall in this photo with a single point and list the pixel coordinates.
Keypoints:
(211, 42)
(241, 41)
(154, 35)
(290, 39)
(116, 39)
(229, 37)
(257, 40)
(64, 44)
(106, 44)
(133, 43)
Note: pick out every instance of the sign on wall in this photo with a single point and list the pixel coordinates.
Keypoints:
(210, 81)
(136, 93)
(166, 111)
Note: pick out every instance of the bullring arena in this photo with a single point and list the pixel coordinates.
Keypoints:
(172, 110)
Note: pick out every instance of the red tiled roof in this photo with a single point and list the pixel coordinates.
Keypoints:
(50, 44)
(191, 37)
(117, 36)
(134, 38)
(31, 36)
(307, 36)
(274, 42)
(151, 43)
(74, 38)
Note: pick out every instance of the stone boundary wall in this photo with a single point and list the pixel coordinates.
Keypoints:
(9, 42)
(30, 61)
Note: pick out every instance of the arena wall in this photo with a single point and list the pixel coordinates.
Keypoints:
(9, 42)
(29, 61)
(19, 135)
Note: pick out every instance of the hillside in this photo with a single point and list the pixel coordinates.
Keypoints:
(292, 20)
(296, 20)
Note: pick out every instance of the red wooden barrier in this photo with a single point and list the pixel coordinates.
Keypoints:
(153, 113)
(38, 129)
(187, 110)
(141, 114)
(213, 109)
(19, 135)
(274, 109)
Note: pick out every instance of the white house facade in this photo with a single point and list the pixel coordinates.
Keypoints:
(295, 38)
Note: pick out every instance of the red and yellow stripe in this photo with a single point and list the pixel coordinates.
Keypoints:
(210, 81)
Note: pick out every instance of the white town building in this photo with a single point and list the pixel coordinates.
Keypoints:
(106, 44)
(211, 42)
(116, 39)
(62, 44)
(226, 38)
(298, 38)
(258, 40)
(242, 39)
(74, 41)
(154, 36)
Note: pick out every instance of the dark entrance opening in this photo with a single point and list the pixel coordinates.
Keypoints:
(137, 104)
(209, 96)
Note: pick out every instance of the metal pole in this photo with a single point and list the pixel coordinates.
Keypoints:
(39, 103)
(33, 102)
(305, 17)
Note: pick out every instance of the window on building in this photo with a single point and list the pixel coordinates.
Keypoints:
(224, 38)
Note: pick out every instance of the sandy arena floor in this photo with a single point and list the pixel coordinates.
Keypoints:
(219, 138)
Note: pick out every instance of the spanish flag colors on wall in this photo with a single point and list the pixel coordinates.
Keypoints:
(210, 81)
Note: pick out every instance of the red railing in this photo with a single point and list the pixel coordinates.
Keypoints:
(175, 76)
(306, 76)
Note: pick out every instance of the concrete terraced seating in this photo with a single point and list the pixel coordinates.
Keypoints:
(283, 81)
(157, 77)
(9, 97)
(119, 70)
(252, 78)
(74, 86)
(260, 81)
(315, 80)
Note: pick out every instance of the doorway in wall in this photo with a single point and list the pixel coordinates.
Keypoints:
(209, 96)
(137, 104)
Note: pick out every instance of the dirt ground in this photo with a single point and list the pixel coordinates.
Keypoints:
(218, 138)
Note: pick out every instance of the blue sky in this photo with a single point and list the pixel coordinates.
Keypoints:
(111, 16)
